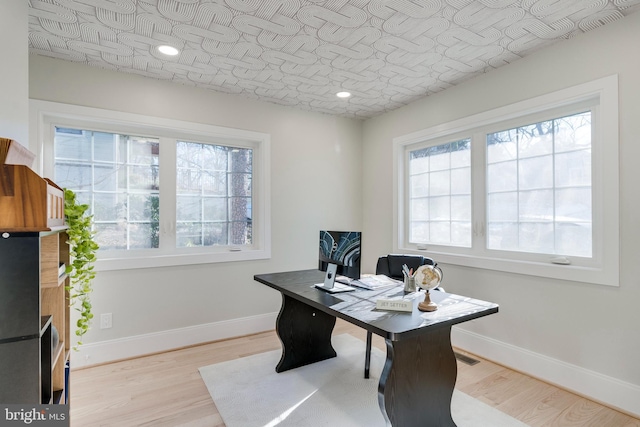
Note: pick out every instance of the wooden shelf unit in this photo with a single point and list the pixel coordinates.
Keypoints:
(54, 300)
(29, 202)
(34, 301)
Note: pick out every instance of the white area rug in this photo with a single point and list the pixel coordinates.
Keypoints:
(334, 393)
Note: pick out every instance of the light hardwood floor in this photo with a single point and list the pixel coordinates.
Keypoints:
(166, 389)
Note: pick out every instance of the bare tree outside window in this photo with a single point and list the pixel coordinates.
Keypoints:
(213, 197)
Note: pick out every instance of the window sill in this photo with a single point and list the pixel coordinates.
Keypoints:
(129, 260)
(606, 276)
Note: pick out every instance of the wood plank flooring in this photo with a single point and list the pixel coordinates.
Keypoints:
(166, 389)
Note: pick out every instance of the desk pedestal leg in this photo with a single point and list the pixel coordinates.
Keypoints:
(305, 334)
(417, 382)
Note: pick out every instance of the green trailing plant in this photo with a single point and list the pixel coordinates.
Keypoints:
(82, 251)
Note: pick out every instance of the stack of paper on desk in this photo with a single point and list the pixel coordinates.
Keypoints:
(375, 281)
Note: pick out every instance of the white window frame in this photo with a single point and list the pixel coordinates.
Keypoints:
(603, 267)
(45, 115)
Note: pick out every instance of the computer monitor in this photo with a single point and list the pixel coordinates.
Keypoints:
(339, 254)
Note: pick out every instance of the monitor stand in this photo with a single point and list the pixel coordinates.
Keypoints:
(330, 285)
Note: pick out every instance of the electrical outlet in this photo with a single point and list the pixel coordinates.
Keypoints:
(106, 320)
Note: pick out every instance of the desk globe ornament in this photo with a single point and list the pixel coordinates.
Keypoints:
(428, 277)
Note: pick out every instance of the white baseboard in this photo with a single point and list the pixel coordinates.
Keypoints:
(108, 351)
(593, 385)
(610, 391)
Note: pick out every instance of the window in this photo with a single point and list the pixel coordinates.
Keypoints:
(117, 176)
(539, 187)
(162, 192)
(440, 194)
(213, 205)
(529, 188)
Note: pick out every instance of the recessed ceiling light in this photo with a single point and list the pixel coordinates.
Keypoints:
(168, 50)
(343, 94)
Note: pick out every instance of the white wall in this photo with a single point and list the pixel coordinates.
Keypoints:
(315, 158)
(14, 71)
(552, 329)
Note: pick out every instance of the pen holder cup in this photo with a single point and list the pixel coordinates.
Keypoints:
(409, 284)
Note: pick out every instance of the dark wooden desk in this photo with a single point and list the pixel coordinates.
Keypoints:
(419, 375)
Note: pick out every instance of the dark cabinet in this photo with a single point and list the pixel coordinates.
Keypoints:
(33, 310)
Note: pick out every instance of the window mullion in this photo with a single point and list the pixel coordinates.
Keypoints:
(127, 195)
(167, 172)
(407, 195)
(478, 191)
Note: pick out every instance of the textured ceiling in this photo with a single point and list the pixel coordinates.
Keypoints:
(299, 53)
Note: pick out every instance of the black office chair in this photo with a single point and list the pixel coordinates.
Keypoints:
(391, 266)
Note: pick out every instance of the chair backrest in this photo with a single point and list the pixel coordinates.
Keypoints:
(391, 265)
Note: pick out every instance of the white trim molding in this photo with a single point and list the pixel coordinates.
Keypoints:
(601, 97)
(45, 115)
(601, 388)
(142, 345)
(592, 385)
